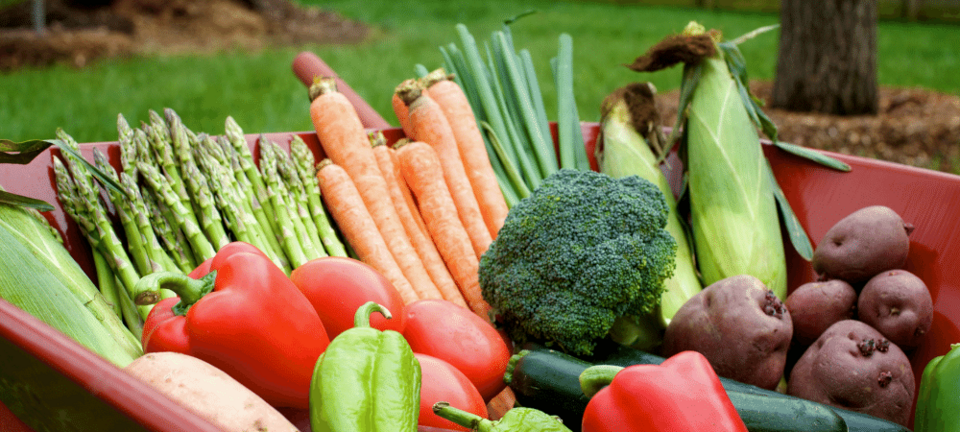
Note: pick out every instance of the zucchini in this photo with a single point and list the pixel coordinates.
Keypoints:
(548, 380)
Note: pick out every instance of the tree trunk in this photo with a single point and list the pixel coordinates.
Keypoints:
(827, 57)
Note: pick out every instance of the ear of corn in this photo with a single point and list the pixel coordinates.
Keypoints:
(38, 275)
(734, 219)
(623, 150)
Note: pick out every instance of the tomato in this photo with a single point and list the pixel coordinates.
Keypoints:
(440, 381)
(338, 286)
(460, 337)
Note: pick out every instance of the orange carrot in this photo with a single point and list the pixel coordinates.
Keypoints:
(346, 207)
(473, 151)
(400, 108)
(427, 123)
(422, 170)
(345, 142)
(413, 223)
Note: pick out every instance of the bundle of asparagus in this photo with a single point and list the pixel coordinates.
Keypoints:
(180, 196)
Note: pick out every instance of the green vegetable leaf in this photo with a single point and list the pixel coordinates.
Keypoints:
(691, 78)
(812, 155)
(798, 236)
(20, 200)
(22, 153)
(101, 176)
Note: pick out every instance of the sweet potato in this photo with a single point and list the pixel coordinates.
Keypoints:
(209, 392)
(852, 366)
(815, 306)
(739, 325)
(898, 304)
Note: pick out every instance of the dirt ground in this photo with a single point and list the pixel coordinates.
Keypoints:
(915, 126)
(77, 35)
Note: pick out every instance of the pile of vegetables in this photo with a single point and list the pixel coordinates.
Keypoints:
(391, 286)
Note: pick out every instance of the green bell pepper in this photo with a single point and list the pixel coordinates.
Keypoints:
(517, 419)
(366, 381)
(938, 400)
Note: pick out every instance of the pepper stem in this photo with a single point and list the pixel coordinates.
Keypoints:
(594, 378)
(362, 317)
(466, 419)
(190, 290)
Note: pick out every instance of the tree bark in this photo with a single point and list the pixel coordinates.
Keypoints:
(827, 57)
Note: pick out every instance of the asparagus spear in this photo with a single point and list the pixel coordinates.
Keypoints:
(306, 168)
(250, 198)
(151, 245)
(91, 221)
(135, 240)
(235, 136)
(128, 148)
(201, 246)
(233, 178)
(171, 239)
(293, 184)
(209, 217)
(291, 235)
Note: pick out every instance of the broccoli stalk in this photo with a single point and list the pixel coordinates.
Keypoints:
(583, 258)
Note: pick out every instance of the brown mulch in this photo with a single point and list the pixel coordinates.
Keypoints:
(77, 35)
(915, 127)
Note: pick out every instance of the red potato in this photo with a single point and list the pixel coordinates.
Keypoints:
(852, 366)
(455, 334)
(898, 304)
(863, 244)
(441, 381)
(208, 392)
(739, 325)
(815, 306)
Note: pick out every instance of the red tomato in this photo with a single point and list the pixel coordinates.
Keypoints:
(440, 381)
(338, 286)
(460, 337)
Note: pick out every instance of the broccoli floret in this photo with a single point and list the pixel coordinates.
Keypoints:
(581, 251)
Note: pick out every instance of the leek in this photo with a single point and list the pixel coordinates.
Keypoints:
(622, 150)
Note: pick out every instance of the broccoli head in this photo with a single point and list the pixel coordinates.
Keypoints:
(581, 251)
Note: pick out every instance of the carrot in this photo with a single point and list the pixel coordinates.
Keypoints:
(400, 108)
(428, 124)
(346, 206)
(476, 161)
(413, 223)
(423, 172)
(345, 142)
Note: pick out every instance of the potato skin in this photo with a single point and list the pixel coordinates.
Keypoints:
(208, 392)
(853, 366)
(898, 304)
(815, 306)
(739, 325)
(863, 244)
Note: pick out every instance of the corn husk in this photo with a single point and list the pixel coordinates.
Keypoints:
(734, 219)
(38, 275)
(623, 150)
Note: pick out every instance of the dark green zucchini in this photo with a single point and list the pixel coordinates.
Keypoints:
(549, 381)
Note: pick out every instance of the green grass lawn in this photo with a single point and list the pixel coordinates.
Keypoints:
(260, 91)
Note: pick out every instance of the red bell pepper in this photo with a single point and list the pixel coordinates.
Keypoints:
(245, 317)
(681, 394)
